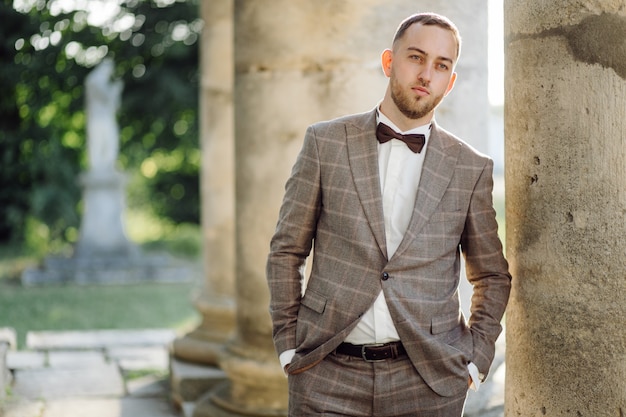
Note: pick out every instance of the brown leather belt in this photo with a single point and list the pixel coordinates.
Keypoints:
(374, 352)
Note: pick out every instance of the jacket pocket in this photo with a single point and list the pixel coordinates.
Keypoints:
(314, 301)
(452, 330)
(442, 324)
(312, 307)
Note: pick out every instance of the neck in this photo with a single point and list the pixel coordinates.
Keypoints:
(389, 109)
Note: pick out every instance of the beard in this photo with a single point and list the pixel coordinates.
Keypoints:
(411, 106)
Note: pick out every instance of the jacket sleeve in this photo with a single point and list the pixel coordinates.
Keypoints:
(292, 242)
(487, 271)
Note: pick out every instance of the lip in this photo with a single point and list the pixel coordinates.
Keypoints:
(421, 91)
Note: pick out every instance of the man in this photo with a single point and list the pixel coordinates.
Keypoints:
(379, 331)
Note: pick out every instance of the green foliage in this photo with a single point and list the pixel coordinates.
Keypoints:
(48, 48)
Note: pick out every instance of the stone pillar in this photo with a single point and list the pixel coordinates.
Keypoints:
(216, 300)
(295, 63)
(8, 341)
(565, 101)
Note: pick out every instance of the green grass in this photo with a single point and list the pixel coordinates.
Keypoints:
(71, 307)
(90, 307)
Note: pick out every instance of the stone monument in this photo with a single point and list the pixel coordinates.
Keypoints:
(102, 231)
(103, 102)
(103, 253)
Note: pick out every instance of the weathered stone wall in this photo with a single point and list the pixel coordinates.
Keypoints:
(565, 103)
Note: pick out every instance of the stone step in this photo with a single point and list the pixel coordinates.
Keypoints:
(68, 359)
(81, 373)
(98, 407)
(26, 359)
(98, 339)
(189, 381)
(128, 358)
(131, 358)
(53, 383)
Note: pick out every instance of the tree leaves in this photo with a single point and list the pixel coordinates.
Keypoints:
(47, 49)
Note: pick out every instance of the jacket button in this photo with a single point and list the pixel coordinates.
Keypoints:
(385, 276)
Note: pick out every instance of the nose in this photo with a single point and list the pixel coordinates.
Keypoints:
(425, 74)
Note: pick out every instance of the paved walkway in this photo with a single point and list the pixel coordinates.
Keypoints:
(125, 373)
(116, 373)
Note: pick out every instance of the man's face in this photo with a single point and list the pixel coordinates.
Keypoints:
(420, 70)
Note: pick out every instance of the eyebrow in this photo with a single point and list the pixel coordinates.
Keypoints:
(443, 58)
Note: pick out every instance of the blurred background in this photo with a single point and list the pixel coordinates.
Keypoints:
(47, 48)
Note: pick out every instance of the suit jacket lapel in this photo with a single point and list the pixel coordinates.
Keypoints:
(363, 158)
(438, 169)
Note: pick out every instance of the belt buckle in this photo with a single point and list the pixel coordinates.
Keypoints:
(364, 357)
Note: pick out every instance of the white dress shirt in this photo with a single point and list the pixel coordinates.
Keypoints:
(400, 170)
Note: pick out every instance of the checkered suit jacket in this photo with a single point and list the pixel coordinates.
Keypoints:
(333, 204)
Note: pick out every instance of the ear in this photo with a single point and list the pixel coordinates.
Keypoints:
(450, 84)
(386, 59)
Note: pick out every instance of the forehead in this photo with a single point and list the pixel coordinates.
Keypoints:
(434, 40)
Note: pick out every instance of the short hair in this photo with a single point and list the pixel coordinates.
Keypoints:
(430, 19)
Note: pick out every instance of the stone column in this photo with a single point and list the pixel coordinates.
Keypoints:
(565, 101)
(295, 63)
(8, 341)
(216, 300)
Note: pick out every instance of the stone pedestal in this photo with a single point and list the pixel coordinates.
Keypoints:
(256, 385)
(204, 344)
(565, 101)
(102, 231)
(109, 270)
(103, 254)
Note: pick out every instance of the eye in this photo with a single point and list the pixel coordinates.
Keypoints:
(416, 57)
(442, 67)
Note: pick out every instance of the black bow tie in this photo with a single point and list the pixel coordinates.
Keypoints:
(415, 142)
